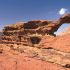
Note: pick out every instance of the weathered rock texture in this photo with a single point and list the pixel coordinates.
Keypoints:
(32, 32)
(61, 43)
(34, 46)
(30, 58)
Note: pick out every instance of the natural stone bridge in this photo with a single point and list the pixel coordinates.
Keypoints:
(32, 31)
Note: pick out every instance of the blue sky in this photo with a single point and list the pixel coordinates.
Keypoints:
(12, 11)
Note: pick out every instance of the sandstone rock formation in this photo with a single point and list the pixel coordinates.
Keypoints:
(61, 43)
(33, 46)
(31, 32)
(30, 58)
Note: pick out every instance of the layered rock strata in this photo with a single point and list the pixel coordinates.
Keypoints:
(30, 33)
(49, 52)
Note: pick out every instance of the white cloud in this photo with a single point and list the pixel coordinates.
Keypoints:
(62, 11)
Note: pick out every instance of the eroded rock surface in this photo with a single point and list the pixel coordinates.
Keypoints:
(20, 57)
(28, 33)
(34, 46)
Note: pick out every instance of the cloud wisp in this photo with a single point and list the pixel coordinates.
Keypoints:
(62, 11)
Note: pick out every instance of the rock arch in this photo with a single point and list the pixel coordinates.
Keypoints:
(36, 28)
(55, 25)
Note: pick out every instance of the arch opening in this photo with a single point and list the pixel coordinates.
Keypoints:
(62, 29)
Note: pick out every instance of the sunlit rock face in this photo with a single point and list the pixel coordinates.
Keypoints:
(33, 45)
